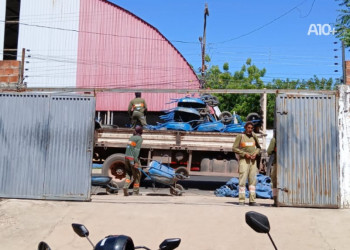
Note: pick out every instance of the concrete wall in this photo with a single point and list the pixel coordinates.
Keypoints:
(344, 144)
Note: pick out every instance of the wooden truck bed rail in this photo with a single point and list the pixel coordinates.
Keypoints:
(167, 139)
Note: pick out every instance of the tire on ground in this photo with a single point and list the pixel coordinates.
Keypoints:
(206, 165)
(114, 166)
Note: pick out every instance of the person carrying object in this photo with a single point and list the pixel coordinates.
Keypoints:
(137, 110)
(132, 162)
(248, 148)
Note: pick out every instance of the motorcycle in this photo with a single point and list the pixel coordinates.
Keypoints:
(259, 223)
(113, 242)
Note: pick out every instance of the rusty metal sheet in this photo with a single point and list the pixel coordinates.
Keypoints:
(307, 146)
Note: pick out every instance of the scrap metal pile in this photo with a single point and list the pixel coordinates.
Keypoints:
(201, 114)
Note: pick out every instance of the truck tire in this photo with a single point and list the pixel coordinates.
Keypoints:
(206, 165)
(233, 166)
(114, 166)
(219, 166)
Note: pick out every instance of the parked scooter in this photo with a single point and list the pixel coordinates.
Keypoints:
(259, 223)
(122, 242)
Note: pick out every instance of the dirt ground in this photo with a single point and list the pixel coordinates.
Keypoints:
(202, 221)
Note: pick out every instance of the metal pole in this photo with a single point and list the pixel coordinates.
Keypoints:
(203, 41)
(343, 62)
(22, 67)
(264, 110)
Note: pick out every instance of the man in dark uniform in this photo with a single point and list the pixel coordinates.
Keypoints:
(132, 162)
(137, 110)
(247, 147)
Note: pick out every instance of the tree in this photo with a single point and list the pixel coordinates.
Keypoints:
(342, 26)
(249, 77)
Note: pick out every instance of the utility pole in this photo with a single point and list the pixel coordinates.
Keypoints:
(203, 41)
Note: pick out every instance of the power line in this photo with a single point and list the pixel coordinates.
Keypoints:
(312, 5)
(264, 25)
(98, 33)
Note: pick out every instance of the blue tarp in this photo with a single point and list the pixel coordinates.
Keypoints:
(263, 188)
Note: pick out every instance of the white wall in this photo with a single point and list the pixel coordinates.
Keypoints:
(49, 30)
(2, 27)
(344, 144)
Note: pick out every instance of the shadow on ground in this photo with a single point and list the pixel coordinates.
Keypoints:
(195, 182)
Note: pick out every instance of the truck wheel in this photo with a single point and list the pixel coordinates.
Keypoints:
(206, 165)
(233, 166)
(219, 166)
(114, 166)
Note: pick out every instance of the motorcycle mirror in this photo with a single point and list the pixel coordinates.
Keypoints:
(258, 222)
(170, 244)
(80, 230)
(43, 246)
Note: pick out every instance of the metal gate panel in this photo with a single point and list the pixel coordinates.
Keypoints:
(71, 128)
(23, 142)
(307, 146)
(46, 146)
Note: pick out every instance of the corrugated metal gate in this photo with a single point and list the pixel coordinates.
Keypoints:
(46, 143)
(307, 146)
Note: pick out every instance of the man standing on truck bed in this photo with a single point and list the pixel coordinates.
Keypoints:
(247, 147)
(132, 162)
(137, 110)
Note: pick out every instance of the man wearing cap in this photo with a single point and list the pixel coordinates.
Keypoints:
(247, 147)
(132, 162)
(137, 110)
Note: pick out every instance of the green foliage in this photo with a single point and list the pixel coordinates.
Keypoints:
(342, 26)
(207, 58)
(249, 77)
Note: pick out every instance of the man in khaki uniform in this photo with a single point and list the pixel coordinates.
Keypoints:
(137, 110)
(132, 162)
(271, 151)
(247, 147)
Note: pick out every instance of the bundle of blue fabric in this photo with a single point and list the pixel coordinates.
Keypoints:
(263, 188)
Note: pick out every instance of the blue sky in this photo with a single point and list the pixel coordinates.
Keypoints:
(285, 37)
